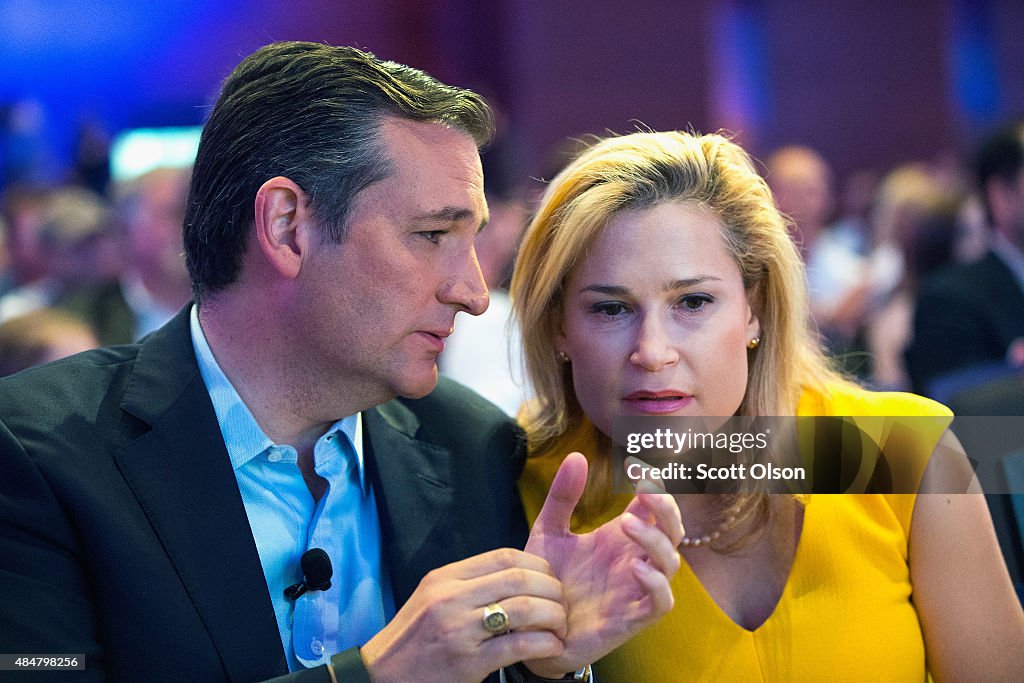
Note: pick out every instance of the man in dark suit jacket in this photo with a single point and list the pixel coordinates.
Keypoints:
(122, 518)
(971, 315)
(966, 316)
(329, 237)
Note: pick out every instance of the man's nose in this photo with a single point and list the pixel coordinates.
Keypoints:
(467, 288)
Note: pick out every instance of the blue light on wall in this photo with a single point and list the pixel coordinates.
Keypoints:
(974, 76)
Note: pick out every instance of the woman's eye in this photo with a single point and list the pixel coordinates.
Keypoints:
(610, 308)
(694, 302)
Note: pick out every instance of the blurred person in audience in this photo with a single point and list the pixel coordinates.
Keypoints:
(483, 353)
(3, 250)
(908, 202)
(22, 208)
(853, 226)
(91, 164)
(973, 315)
(801, 182)
(27, 158)
(41, 336)
(153, 284)
(69, 248)
(158, 500)
(972, 237)
(658, 278)
(904, 196)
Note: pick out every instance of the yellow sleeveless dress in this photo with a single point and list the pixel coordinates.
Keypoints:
(846, 613)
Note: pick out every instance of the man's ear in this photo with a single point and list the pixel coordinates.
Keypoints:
(282, 220)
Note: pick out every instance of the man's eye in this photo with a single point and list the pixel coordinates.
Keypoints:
(432, 236)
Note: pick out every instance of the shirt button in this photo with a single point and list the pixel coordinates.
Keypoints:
(274, 456)
(316, 647)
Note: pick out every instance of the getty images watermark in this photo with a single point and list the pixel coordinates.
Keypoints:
(664, 440)
(835, 454)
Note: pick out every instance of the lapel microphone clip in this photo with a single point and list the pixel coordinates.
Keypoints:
(316, 572)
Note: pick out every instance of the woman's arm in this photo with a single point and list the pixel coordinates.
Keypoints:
(972, 621)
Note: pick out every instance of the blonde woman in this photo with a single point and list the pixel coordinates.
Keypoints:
(658, 278)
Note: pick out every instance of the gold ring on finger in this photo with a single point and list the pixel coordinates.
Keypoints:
(496, 619)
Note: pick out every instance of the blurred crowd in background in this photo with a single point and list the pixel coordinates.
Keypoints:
(867, 120)
(897, 264)
(87, 263)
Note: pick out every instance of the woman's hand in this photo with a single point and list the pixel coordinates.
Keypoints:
(616, 578)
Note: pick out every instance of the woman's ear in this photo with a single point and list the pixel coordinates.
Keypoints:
(753, 311)
(557, 321)
(753, 330)
(282, 216)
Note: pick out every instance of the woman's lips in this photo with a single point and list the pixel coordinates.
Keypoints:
(658, 402)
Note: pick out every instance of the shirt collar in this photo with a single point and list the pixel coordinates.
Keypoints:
(243, 437)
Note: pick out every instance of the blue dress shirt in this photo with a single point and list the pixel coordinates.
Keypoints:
(286, 522)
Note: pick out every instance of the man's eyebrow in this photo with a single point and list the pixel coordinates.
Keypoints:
(450, 214)
(618, 290)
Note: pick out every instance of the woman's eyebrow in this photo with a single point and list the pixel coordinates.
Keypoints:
(612, 290)
(690, 282)
(619, 290)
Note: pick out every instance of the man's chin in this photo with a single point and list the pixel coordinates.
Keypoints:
(418, 387)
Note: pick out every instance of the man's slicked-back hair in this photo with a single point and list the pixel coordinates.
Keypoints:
(309, 112)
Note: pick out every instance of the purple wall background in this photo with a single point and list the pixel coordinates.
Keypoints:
(870, 84)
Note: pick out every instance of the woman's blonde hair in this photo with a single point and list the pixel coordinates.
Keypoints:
(640, 171)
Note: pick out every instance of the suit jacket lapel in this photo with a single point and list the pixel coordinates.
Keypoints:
(182, 477)
(412, 482)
